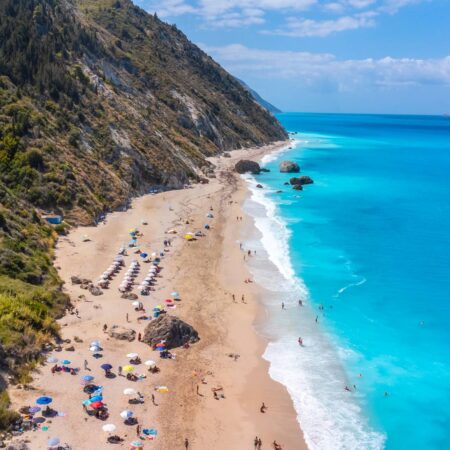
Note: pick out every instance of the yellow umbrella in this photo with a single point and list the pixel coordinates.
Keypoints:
(128, 368)
(162, 389)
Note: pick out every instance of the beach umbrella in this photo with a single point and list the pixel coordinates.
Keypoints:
(135, 445)
(96, 344)
(52, 360)
(128, 368)
(44, 401)
(150, 363)
(136, 303)
(132, 355)
(87, 378)
(96, 398)
(169, 301)
(96, 405)
(86, 402)
(65, 362)
(126, 414)
(175, 294)
(95, 349)
(34, 409)
(129, 391)
(143, 255)
(109, 428)
(150, 432)
(160, 344)
(53, 442)
(106, 366)
(162, 389)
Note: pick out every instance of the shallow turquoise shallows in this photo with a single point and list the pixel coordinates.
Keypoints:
(367, 249)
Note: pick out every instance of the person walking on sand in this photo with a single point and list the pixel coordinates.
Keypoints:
(138, 430)
(86, 365)
(263, 408)
(234, 298)
(105, 327)
(153, 399)
(282, 305)
(256, 442)
(259, 443)
(186, 443)
(139, 337)
(120, 371)
(243, 298)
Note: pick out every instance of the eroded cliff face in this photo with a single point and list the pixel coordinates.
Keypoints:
(111, 101)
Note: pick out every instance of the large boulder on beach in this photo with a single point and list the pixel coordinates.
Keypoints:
(247, 166)
(95, 290)
(301, 180)
(170, 329)
(289, 167)
(121, 333)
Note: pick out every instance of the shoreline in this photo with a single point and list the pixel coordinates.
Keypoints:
(206, 273)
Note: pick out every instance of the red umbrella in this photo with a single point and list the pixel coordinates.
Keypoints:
(96, 405)
(169, 300)
(161, 344)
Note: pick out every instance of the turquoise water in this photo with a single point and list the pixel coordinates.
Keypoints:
(370, 242)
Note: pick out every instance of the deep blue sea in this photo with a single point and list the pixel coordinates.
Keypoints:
(367, 249)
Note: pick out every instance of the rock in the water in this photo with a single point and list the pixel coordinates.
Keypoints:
(259, 186)
(245, 166)
(121, 333)
(170, 329)
(289, 167)
(286, 183)
(95, 290)
(301, 180)
(265, 170)
(297, 187)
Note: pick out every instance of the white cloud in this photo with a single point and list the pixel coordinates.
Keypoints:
(316, 70)
(320, 28)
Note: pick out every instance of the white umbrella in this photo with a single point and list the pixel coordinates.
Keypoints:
(126, 414)
(96, 344)
(150, 363)
(109, 428)
(132, 355)
(129, 391)
(136, 303)
(95, 349)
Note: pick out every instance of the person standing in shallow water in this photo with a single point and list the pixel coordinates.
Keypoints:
(186, 443)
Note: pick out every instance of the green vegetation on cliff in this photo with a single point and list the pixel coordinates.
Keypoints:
(99, 101)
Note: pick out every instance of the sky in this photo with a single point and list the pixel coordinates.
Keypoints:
(363, 56)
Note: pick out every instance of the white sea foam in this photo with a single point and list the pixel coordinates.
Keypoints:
(331, 418)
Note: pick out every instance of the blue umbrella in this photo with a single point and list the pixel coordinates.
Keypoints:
(34, 409)
(65, 362)
(53, 442)
(44, 401)
(106, 366)
(97, 398)
(143, 255)
(87, 377)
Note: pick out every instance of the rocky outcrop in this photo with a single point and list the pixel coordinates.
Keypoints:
(170, 329)
(297, 187)
(289, 167)
(122, 334)
(259, 186)
(247, 166)
(301, 180)
(95, 290)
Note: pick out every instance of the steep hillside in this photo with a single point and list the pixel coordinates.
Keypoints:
(264, 103)
(101, 86)
(99, 101)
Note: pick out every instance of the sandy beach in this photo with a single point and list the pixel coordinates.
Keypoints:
(206, 272)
